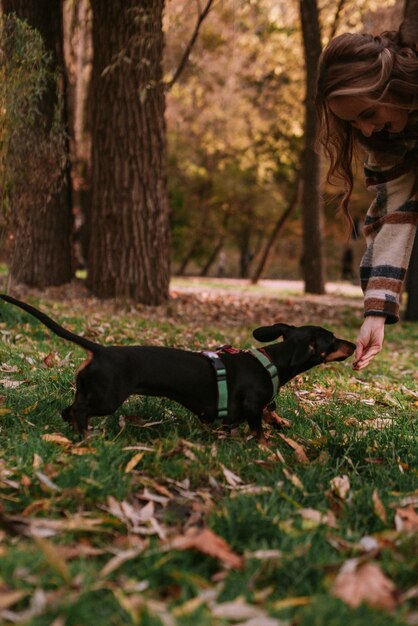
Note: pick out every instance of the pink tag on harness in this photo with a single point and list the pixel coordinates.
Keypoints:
(229, 349)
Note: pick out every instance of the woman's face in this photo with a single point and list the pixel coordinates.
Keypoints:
(367, 116)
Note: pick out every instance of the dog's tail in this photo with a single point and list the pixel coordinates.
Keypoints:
(54, 326)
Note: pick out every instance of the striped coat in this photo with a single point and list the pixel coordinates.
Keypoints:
(391, 171)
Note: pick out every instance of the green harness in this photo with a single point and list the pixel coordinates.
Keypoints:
(220, 371)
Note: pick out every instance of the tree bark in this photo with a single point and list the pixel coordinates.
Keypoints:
(275, 233)
(41, 206)
(129, 247)
(313, 252)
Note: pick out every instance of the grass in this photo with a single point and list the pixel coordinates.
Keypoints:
(91, 530)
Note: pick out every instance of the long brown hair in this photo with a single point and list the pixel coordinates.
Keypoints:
(380, 68)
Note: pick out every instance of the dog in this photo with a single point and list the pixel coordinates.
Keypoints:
(110, 374)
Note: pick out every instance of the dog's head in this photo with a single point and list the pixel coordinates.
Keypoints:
(307, 345)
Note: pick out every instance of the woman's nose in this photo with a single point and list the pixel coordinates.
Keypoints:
(366, 128)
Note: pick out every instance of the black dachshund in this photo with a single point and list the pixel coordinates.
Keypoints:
(111, 374)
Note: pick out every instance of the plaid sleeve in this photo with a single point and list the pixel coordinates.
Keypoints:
(390, 229)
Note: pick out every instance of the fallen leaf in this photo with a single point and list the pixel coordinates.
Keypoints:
(82, 451)
(299, 450)
(231, 478)
(37, 461)
(263, 621)
(207, 542)
(47, 482)
(264, 555)
(271, 417)
(9, 598)
(133, 462)
(49, 359)
(406, 519)
(11, 384)
(379, 508)
(237, 610)
(359, 583)
(120, 559)
(54, 558)
(317, 518)
(60, 440)
(294, 479)
(287, 603)
(340, 486)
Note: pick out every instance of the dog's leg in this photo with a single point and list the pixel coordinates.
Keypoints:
(77, 415)
(79, 411)
(252, 412)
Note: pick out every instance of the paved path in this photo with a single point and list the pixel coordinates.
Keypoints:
(265, 287)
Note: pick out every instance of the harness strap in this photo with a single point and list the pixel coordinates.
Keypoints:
(220, 371)
(221, 382)
(270, 367)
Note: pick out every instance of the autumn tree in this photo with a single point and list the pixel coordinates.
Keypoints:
(38, 190)
(129, 248)
(234, 127)
(313, 254)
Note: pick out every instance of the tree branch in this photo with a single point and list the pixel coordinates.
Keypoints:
(190, 45)
(336, 20)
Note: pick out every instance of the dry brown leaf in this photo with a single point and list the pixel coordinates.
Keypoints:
(60, 440)
(50, 359)
(295, 480)
(133, 462)
(81, 451)
(54, 558)
(231, 478)
(236, 610)
(207, 542)
(120, 559)
(286, 603)
(271, 417)
(379, 508)
(299, 450)
(43, 527)
(9, 598)
(340, 486)
(406, 519)
(317, 518)
(11, 384)
(359, 583)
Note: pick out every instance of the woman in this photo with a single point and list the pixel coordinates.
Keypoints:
(367, 102)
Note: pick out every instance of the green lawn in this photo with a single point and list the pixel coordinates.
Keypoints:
(154, 519)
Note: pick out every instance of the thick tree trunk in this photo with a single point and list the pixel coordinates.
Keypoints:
(41, 210)
(129, 248)
(313, 253)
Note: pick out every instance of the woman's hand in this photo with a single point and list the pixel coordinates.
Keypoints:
(369, 341)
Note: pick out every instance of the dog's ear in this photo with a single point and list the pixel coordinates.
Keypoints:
(270, 333)
(301, 353)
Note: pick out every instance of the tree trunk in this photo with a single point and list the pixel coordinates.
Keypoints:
(189, 256)
(78, 52)
(213, 256)
(275, 233)
(41, 212)
(313, 252)
(129, 248)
